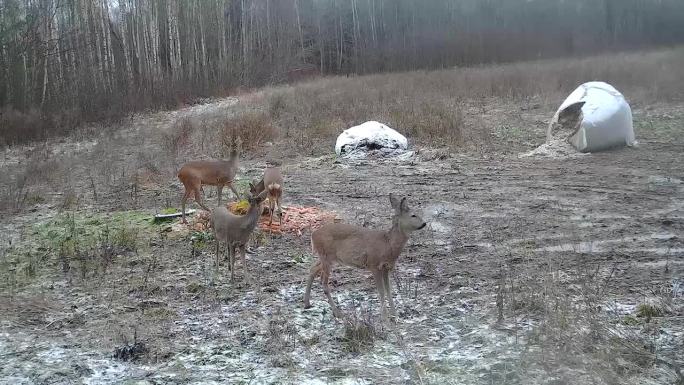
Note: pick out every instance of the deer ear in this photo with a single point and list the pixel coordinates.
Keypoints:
(262, 195)
(403, 206)
(394, 201)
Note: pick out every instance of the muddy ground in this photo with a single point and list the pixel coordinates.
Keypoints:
(531, 271)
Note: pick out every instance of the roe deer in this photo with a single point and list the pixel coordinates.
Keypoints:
(235, 230)
(272, 182)
(217, 173)
(373, 250)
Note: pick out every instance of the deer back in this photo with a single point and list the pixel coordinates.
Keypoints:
(350, 245)
(209, 171)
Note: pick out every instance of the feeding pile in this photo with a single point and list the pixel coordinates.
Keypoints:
(296, 219)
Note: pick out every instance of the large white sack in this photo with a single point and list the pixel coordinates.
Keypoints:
(370, 136)
(606, 121)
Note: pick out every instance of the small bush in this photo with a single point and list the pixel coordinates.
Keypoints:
(14, 194)
(179, 137)
(131, 352)
(277, 103)
(251, 128)
(21, 127)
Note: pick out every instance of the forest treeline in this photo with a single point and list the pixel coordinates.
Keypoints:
(93, 59)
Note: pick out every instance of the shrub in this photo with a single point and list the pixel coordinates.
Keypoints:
(179, 136)
(252, 129)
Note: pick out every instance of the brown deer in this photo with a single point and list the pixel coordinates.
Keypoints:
(373, 250)
(235, 230)
(217, 173)
(272, 182)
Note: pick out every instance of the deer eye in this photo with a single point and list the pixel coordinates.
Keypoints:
(413, 215)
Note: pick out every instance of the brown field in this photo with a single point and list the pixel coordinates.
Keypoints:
(531, 271)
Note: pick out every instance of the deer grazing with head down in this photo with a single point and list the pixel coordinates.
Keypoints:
(272, 183)
(373, 250)
(234, 230)
(217, 173)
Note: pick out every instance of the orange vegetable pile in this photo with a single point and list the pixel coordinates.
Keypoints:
(296, 219)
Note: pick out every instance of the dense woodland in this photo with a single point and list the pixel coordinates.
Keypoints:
(94, 59)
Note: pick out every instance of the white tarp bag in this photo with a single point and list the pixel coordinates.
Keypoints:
(605, 120)
(370, 136)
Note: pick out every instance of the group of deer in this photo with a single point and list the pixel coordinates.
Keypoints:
(374, 250)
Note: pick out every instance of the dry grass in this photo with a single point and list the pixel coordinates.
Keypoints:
(29, 126)
(22, 186)
(178, 137)
(360, 332)
(252, 128)
(561, 313)
(462, 107)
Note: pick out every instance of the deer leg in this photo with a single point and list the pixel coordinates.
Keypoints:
(186, 195)
(244, 262)
(313, 273)
(325, 276)
(280, 211)
(385, 278)
(217, 254)
(381, 292)
(231, 260)
(271, 207)
(198, 198)
(219, 189)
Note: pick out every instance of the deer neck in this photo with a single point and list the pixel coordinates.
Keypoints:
(396, 238)
(252, 216)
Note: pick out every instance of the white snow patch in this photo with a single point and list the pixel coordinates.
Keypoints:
(357, 141)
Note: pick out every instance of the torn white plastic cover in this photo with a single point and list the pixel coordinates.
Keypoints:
(607, 118)
(370, 136)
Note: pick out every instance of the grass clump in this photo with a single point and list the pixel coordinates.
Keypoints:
(179, 137)
(649, 311)
(86, 243)
(359, 334)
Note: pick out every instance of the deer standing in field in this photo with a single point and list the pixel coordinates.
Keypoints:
(235, 230)
(272, 183)
(217, 173)
(373, 250)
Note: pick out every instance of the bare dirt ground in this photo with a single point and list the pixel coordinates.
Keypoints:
(531, 271)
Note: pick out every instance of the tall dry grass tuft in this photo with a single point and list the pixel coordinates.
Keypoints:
(179, 137)
(252, 128)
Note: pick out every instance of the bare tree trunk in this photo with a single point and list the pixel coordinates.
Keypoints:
(299, 27)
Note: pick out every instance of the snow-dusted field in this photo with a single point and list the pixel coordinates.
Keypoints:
(531, 271)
